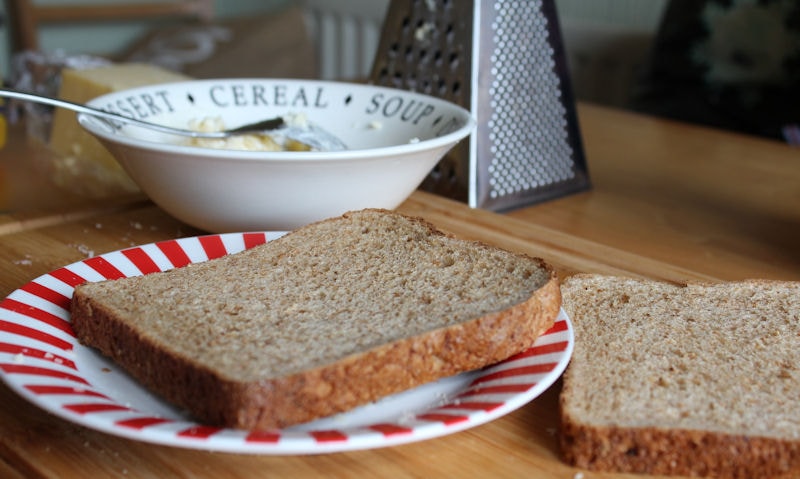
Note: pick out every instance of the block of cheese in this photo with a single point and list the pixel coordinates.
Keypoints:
(78, 155)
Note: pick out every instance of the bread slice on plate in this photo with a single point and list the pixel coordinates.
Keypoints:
(694, 380)
(329, 317)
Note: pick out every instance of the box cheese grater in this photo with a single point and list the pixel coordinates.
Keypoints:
(504, 61)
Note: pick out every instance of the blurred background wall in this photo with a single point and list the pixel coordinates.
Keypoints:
(606, 40)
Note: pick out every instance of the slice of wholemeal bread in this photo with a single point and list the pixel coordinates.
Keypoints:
(695, 380)
(331, 316)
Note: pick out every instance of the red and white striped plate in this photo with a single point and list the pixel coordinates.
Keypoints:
(42, 361)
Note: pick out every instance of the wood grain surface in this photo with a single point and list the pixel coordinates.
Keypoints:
(669, 201)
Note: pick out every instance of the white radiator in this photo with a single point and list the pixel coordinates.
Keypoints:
(346, 35)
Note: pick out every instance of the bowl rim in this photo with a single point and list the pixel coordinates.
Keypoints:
(92, 126)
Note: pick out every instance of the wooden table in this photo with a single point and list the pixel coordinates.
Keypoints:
(669, 201)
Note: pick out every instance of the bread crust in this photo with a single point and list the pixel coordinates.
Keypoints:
(678, 452)
(352, 381)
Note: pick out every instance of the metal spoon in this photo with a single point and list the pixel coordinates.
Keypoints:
(311, 135)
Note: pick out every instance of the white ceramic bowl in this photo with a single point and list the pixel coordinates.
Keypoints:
(394, 139)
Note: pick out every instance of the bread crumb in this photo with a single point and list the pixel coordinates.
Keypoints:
(19, 358)
(85, 250)
(578, 475)
(24, 262)
(406, 418)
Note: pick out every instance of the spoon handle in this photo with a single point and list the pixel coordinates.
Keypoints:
(110, 118)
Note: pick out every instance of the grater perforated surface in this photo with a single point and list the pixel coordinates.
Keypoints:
(521, 56)
(503, 60)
